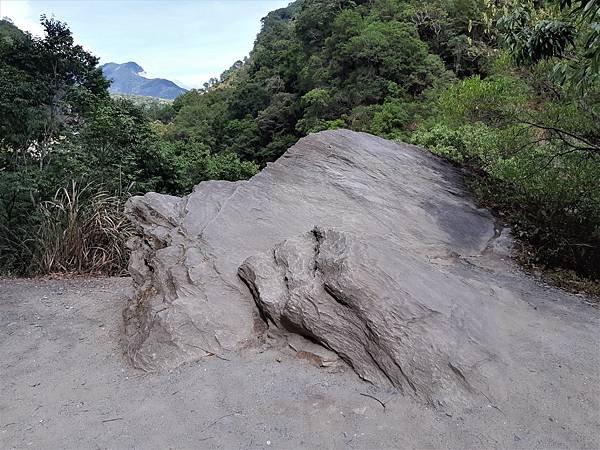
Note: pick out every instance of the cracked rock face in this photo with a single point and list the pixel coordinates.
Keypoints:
(391, 315)
(348, 240)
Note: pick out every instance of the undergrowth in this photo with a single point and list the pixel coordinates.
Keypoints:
(81, 230)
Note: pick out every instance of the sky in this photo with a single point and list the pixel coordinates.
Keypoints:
(185, 41)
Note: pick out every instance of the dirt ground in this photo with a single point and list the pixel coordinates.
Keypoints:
(64, 383)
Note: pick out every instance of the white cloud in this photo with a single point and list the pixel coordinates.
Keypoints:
(22, 15)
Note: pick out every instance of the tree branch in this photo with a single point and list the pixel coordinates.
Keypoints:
(590, 147)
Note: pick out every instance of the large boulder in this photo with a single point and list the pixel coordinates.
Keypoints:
(368, 247)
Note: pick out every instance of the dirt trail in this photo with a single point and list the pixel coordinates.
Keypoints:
(65, 384)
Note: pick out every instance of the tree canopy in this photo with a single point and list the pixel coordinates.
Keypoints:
(508, 89)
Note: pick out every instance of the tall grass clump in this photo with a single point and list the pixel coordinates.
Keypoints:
(81, 231)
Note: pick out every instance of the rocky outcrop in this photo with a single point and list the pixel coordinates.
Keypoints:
(177, 313)
(359, 244)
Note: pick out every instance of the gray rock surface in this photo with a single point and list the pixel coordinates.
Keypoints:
(394, 317)
(370, 248)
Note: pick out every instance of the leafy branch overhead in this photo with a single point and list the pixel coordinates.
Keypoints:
(568, 34)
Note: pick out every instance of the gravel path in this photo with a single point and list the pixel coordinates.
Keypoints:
(64, 383)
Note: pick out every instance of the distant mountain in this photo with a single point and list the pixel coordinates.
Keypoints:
(128, 79)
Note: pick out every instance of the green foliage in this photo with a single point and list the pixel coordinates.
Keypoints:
(508, 89)
(535, 171)
(392, 51)
(178, 166)
(443, 141)
(531, 42)
(568, 35)
(492, 101)
(316, 103)
(60, 130)
(9, 33)
(313, 64)
(391, 118)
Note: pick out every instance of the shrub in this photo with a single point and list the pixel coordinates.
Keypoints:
(443, 141)
(494, 101)
(391, 118)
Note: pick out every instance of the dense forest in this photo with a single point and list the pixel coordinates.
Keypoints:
(508, 90)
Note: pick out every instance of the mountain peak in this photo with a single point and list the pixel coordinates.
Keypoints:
(134, 67)
(127, 78)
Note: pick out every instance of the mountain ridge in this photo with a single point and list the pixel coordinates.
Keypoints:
(127, 79)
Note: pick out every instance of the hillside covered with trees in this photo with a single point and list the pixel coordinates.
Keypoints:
(509, 90)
